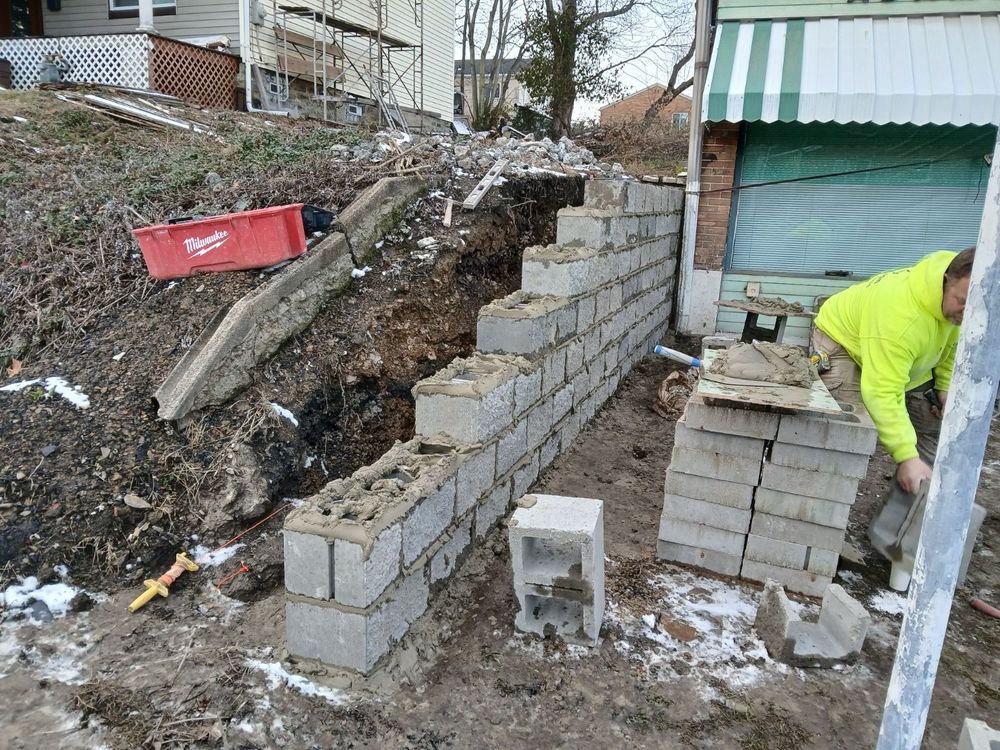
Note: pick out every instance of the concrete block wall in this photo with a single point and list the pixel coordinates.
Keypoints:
(762, 495)
(363, 556)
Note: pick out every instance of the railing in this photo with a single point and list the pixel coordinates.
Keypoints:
(136, 60)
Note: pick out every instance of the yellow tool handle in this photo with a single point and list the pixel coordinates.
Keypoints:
(152, 589)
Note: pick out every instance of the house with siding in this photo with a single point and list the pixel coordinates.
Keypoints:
(343, 56)
(632, 108)
(840, 140)
(469, 73)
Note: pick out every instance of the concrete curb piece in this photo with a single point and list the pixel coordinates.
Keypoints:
(253, 328)
(978, 735)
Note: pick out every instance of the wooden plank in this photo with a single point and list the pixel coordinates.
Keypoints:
(753, 306)
(302, 40)
(788, 398)
(299, 66)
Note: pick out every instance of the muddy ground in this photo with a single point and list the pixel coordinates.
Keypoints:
(203, 670)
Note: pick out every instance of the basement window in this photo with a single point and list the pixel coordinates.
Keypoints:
(130, 8)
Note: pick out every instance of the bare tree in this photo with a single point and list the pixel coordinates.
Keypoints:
(673, 89)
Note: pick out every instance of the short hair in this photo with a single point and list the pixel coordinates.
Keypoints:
(961, 265)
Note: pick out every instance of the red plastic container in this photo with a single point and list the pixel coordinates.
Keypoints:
(250, 239)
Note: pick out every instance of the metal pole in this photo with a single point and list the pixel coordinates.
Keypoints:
(952, 491)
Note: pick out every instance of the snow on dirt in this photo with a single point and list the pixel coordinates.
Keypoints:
(281, 411)
(212, 558)
(54, 384)
(278, 676)
(888, 602)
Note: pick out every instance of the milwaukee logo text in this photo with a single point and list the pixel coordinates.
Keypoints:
(196, 246)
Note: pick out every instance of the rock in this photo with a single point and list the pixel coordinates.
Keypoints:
(82, 602)
(244, 495)
(48, 450)
(39, 610)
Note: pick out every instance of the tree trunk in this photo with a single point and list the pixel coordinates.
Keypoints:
(563, 35)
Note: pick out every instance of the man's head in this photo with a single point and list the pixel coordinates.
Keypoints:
(956, 285)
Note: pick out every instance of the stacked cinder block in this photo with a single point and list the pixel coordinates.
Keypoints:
(548, 357)
(763, 495)
(557, 556)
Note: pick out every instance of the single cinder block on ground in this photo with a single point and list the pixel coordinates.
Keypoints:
(557, 554)
(776, 552)
(799, 532)
(715, 465)
(471, 400)
(845, 619)
(820, 459)
(681, 531)
(717, 442)
(977, 735)
(563, 271)
(717, 562)
(702, 511)
(832, 434)
(699, 415)
(802, 581)
(821, 484)
(810, 509)
(733, 494)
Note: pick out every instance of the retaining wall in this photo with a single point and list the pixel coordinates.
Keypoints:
(363, 556)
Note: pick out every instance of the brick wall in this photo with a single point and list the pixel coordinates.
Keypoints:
(718, 168)
(633, 108)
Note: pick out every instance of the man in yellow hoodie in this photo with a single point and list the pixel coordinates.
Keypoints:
(890, 339)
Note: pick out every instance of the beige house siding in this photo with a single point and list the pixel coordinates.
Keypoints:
(633, 108)
(516, 93)
(194, 18)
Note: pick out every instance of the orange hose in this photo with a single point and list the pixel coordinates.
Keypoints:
(985, 608)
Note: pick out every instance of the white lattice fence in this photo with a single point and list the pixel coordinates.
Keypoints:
(113, 59)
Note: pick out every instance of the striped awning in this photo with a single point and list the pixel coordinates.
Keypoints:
(932, 69)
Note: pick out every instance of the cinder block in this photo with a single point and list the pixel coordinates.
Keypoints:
(553, 370)
(360, 574)
(309, 564)
(977, 735)
(754, 424)
(569, 429)
(446, 559)
(428, 519)
(354, 638)
(679, 531)
(822, 561)
(711, 514)
(732, 494)
(810, 509)
(522, 323)
(527, 390)
(774, 616)
(776, 552)
(548, 452)
(562, 402)
(821, 484)
(493, 509)
(586, 312)
(557, 555)
(563, 271)
(844, 618)
(581, 226)
(715, 465)
(525, 474)
(717, 562)
(831, 434)
(799, 532)
(475, 476)
(820, 459)
(471, 400)
(539, 421)
(607, 194)
(802, 581)
(717, 442)
(574, 357)
(512, 447)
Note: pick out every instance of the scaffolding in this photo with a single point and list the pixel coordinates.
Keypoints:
(388, 71)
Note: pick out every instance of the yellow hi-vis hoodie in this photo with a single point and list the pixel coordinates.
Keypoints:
(892, 326)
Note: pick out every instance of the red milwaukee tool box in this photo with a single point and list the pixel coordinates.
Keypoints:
(250, 239)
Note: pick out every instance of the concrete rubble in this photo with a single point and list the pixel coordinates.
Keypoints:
(836, 638)
(978, 735)
(557, 556)
(364, 554)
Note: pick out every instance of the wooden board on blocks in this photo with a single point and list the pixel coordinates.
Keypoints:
(814, 400)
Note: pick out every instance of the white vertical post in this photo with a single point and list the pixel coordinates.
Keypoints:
(146, 16)
(952, 491)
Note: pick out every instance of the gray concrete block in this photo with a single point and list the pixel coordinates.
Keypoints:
(822, 561)
(608, 194)
(475, 477)
(755, 424)
(715, 465)
(810, 509)
(580, 226)
(820, 459)
(586, 312)
(308, 564)
(591, 344)
(776, 552)
(360, 576)
(821, 484)
(603, 304)
(717, 562)
(562, 402)
(539, 421)
(553, 370)
(732, 494)
(446, 559)
(525, 474)
(774, 615)
(527, 391)
(978, 735)
(709, 513)
(845, 619)
(492, 509)
(563, 271)
(569, 429)
(802, 581)
(680, 531)
(428, 519)
(831, 434)
(799, 532)
(522, 323)
(512, 447)
(717, 442)
(574, 356)
(581, 386)
(548, 452)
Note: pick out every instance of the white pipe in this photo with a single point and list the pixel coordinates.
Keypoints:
(146, 17)
(702, 53)
(245, 55)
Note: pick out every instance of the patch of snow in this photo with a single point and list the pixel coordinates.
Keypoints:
(277, 676)
(281, 411)
(888, 602)
(359, 273)
(170, 286)
(54, 384)
(437, 194)
(209, 558)
(118, 356)
(849, 576)
(55, 596)
(309, 461)
(500, 180)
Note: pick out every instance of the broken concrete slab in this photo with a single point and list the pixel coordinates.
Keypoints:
(836, 638)
(978, 735)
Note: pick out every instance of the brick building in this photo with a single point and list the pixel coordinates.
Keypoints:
(633, 107)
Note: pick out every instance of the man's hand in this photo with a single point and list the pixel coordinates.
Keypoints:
(943, 400)
(911, 472)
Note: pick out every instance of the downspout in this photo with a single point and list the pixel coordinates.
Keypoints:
(247, 60)
(702, 54)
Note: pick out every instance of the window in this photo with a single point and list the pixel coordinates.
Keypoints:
(679, 119)
(130, 8)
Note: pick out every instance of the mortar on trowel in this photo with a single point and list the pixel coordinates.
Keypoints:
(757, 364)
